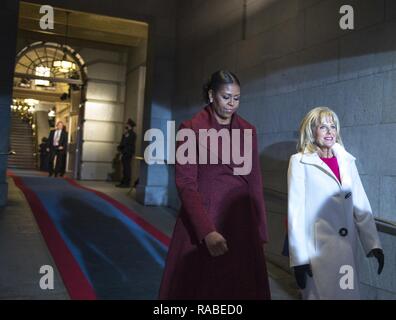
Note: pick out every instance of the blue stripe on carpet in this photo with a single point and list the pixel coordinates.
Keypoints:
(118, 257)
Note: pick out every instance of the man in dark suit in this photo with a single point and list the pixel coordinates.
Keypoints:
(57, 147)
(44, 154)
(127, 150)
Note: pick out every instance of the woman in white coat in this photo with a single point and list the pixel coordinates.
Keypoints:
(328, 211)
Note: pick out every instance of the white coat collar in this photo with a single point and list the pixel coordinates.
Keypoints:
(342, 158)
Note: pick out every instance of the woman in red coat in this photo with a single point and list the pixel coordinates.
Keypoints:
(217, 248)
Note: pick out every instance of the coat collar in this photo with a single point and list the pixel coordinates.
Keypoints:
(206, 120)
(343, 158)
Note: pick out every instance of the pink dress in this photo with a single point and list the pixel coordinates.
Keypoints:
(333, 165)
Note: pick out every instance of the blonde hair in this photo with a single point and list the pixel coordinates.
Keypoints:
(308, 125)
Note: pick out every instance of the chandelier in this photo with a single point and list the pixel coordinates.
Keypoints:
(42, 72)
(64, 65)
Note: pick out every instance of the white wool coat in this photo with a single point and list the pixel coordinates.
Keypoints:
(326, 219)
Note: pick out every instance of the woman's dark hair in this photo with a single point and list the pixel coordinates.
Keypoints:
(218, 79)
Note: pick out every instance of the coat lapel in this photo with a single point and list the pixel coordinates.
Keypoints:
(343, 159)
(208, 121)
(313, 159)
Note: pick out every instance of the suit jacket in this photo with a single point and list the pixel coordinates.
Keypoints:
(127, 144)
(62, 140)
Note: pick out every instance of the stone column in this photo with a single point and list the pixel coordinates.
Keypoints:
(153, 180)
(42, 123)
(8, 34)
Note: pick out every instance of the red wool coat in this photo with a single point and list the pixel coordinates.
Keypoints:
(213, 199)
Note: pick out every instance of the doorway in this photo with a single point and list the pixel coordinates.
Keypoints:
(51, 77)
(95, 103)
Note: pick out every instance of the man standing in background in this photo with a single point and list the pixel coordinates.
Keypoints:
(127, 150)
(57, 148)
(44, 154)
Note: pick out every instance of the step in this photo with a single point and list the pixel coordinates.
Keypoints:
(22, 162)
(25, 159)
(20, 147)
(22, 140)
(27, 156)
(23, 145)
(22, 150)
(19, 123)
(22, 136)
(16, 131)
(13, 129)
(22, 155)
(25, 135)
(20, 131)
(22, 165)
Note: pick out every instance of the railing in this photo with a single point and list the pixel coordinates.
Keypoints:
(36, 143)
(9, 153)
(386, 226)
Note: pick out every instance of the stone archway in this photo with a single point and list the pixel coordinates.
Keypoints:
(46, 69)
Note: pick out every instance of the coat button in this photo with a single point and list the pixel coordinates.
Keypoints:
(343, 232)
(348, 195)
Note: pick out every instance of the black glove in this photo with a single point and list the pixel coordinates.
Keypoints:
(379, 255)
(300, 273)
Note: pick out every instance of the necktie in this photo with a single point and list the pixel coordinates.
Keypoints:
(57, 136)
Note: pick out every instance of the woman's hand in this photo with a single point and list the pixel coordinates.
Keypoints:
(216, 244)
(379, 255)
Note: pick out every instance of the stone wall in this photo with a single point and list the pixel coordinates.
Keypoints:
(290, 56)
